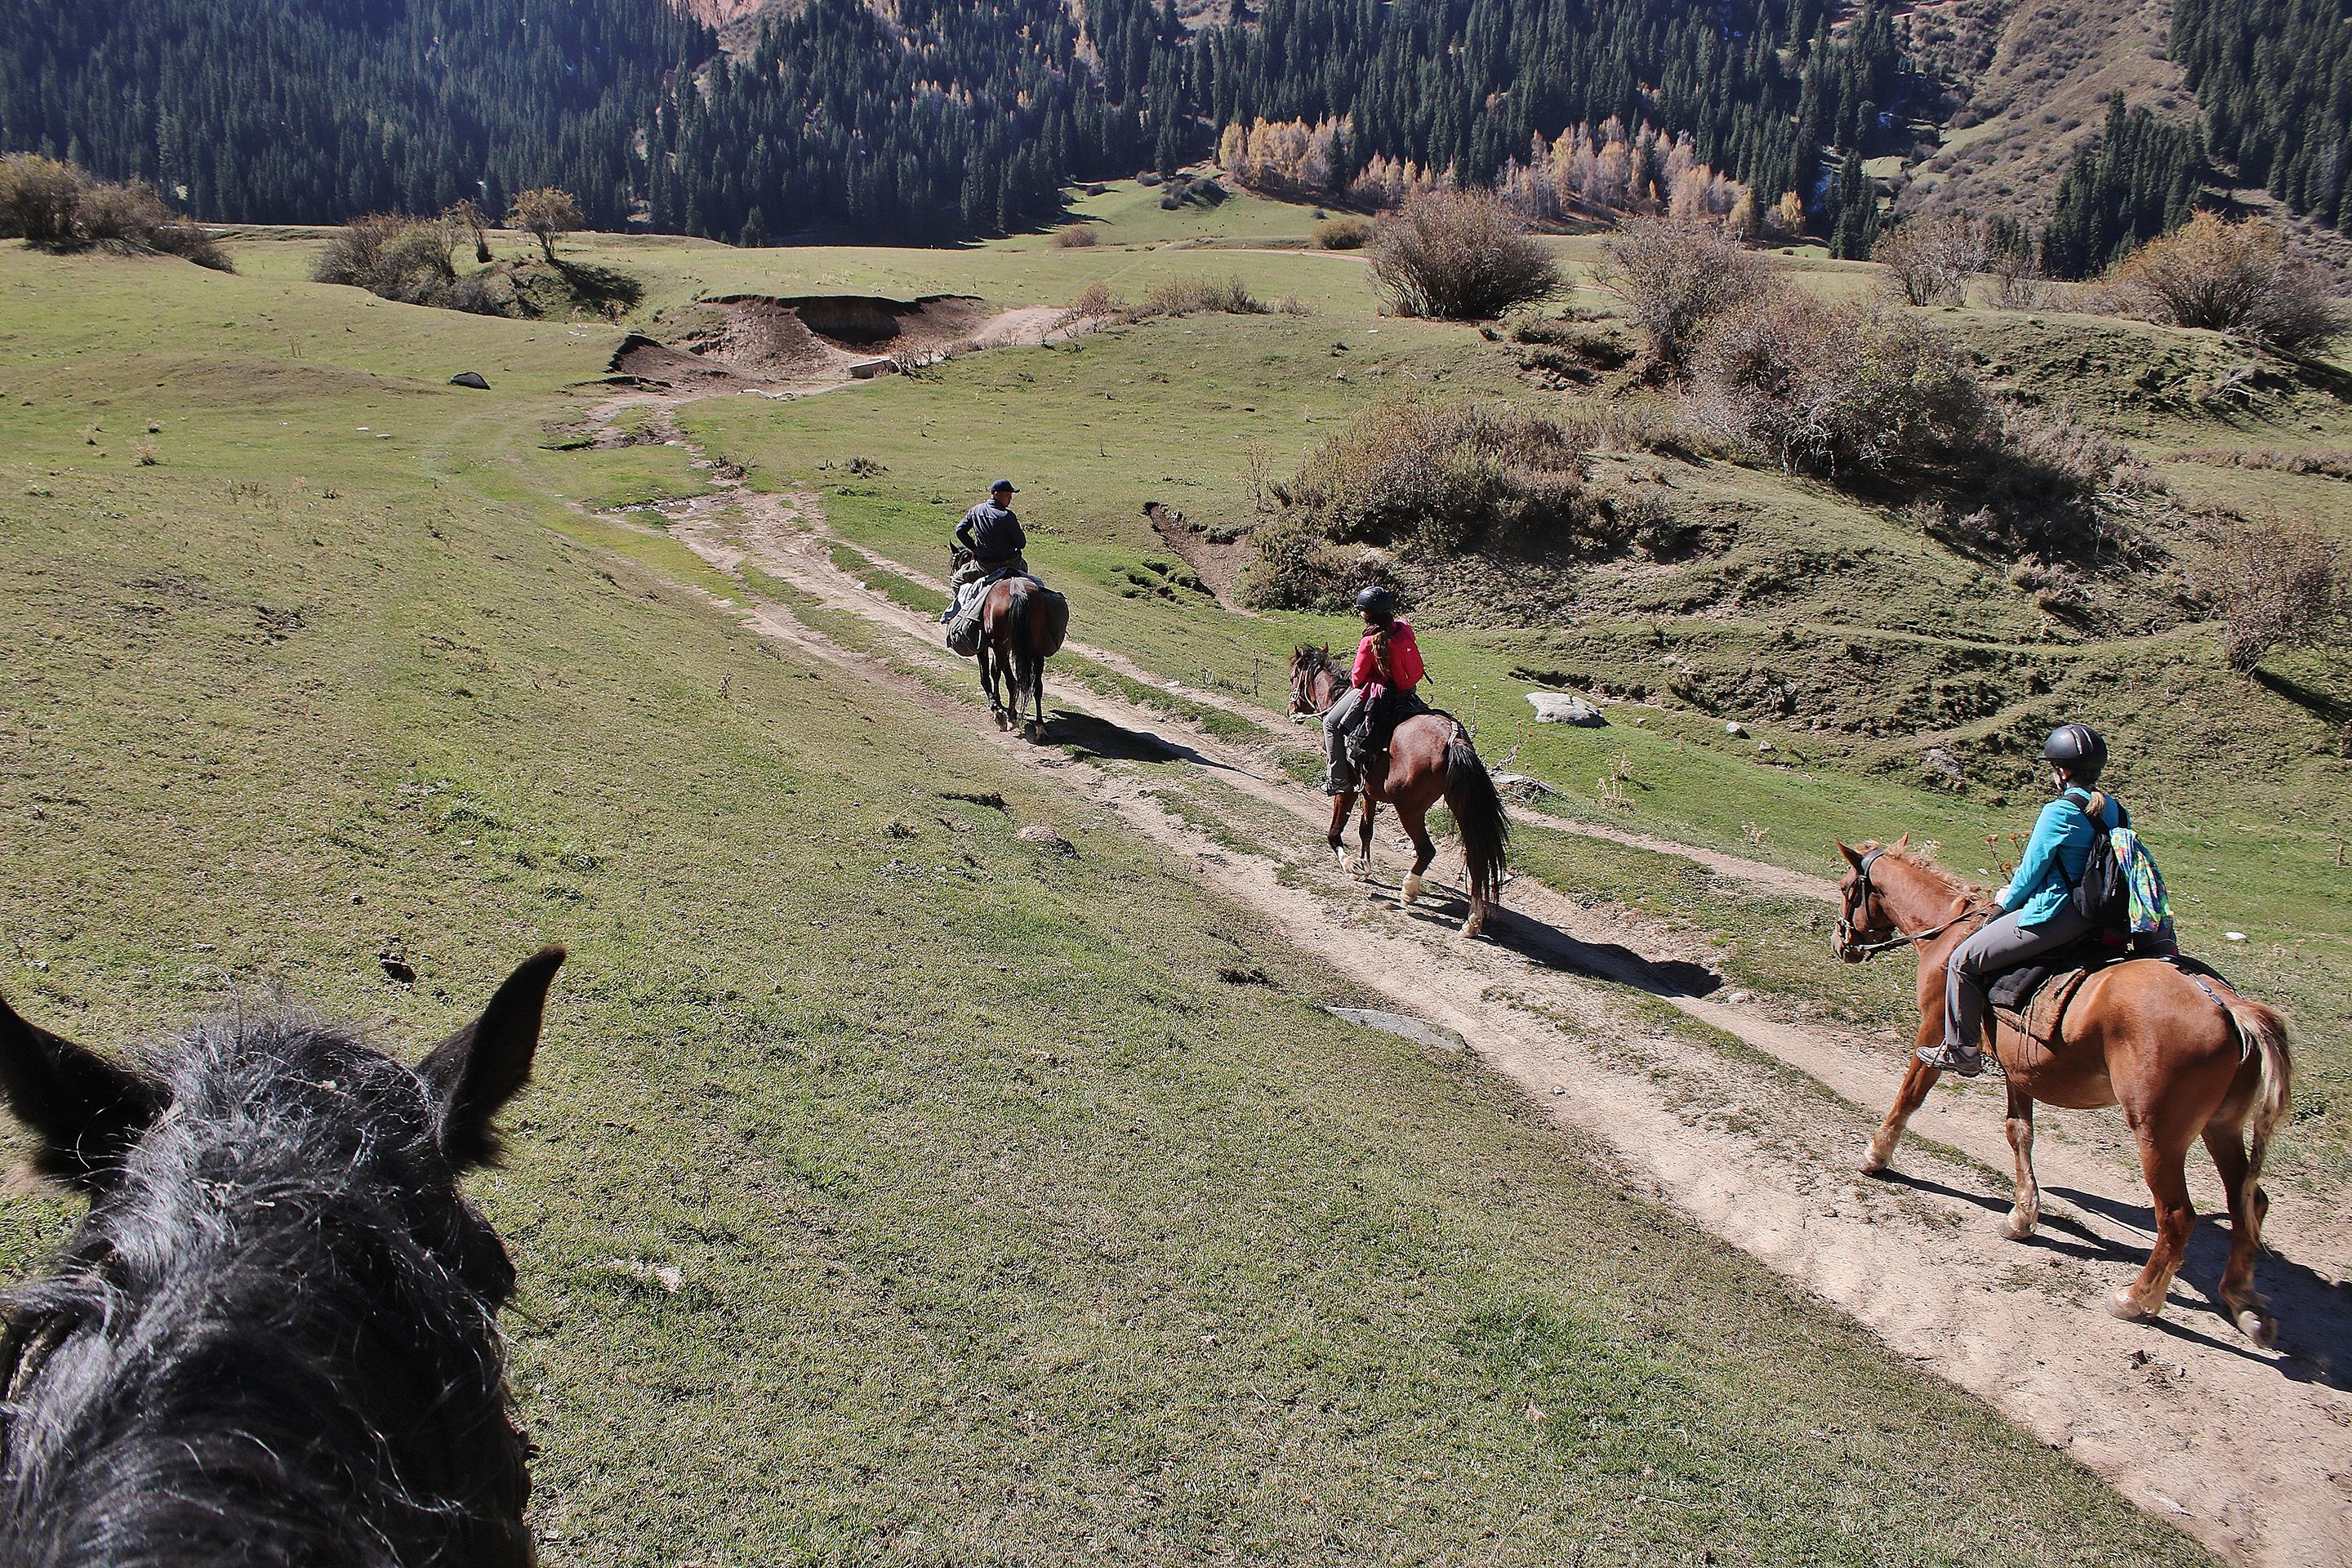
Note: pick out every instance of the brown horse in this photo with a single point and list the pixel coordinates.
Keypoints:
(2182, 1053)
(1430, 758)
(1021, 625)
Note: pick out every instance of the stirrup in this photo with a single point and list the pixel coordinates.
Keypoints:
(1950, 1058)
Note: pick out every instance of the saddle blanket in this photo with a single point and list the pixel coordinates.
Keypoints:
(2033, 998)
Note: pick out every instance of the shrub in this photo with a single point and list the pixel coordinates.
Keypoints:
(1676, 279)
(1294, 567)
(2280, 584)
(1076, 236)
(1195, 296)
(1458, 256)
(1929, 261)
(37, 198)
(1437, 478)
(1834, 389)
(394, 258)
(55, 206)
(2234, 278)
(1343, 234)
(547, 214)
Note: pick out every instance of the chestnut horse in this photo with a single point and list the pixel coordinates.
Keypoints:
(1022, 625)
(1430, 758)
(2182, 1053)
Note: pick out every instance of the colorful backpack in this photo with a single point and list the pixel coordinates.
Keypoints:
(2122, 892)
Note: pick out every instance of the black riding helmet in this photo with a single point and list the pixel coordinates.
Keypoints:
(1377, 603)
(2078, 748)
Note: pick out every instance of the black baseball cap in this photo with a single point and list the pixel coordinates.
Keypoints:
(1004, 485)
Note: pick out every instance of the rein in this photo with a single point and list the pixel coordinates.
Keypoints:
(1870, 949)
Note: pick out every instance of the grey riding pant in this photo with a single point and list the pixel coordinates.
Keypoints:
(1337, 721)
(2002, 944)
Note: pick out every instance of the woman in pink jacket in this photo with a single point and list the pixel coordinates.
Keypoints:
(1379, 687)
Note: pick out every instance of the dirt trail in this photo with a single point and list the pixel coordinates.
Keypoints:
(2250, 1451)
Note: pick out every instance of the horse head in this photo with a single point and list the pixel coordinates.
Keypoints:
(1863, 924)
(1308, 665)
(273, 1337)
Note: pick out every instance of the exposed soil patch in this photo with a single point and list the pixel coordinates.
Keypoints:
(1217, 563)
(742, 341)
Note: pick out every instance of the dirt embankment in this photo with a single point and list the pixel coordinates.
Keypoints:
(820, 340)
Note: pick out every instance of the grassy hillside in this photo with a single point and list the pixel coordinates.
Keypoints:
(1006, 1225)
(1841, 635)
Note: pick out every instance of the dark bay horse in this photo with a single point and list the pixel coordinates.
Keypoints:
(273, 1339)
(1430, 758)
(1022, 625)
(2184, 1055)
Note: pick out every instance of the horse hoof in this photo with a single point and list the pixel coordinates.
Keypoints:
(2260, 1328)
(2124, 1305)
(1409, 892)
(1473, 925)
(2017, 1227)
(1339, 857)
(1876, 1160)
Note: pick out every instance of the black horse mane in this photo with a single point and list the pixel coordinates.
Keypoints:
(273, 1339)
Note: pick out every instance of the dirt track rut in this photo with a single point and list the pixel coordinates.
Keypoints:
(2250, 1451)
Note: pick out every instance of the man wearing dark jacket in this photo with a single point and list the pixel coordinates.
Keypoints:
(990, 540)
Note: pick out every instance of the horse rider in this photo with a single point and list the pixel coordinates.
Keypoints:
(1380, 686)
(991, 537)
(2038, 916)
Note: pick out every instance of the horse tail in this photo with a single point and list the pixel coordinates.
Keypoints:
(2265, 1032)
(1478, 813)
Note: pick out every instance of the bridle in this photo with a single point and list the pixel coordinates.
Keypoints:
(1311, 663)
(1857, 908)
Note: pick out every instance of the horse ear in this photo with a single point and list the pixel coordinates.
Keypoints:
(1852, 857)
(1900, 844)
(87, 1111)
(474, 1072)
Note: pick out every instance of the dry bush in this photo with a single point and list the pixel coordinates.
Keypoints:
(1198, 295)
(1343, 234)
(2234, 278)
(394, 258)
(1292, 566)
(1437, 478)
(37, 198)
(1836, 389)
(2278, 583)
(2017, 280)
(59, 207)
(1929, 261)
(1076, 236)
(1676, 279)
(1458, 256)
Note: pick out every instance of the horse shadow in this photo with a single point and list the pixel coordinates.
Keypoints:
(1091, 737)
(2314, 1311)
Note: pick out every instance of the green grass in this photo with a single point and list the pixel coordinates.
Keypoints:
(1006, 1230)
(1892, 640)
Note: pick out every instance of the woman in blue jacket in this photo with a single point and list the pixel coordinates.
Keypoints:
(2039, 915)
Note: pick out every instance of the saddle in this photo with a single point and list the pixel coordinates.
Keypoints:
(1369, 741)
(2033, 998)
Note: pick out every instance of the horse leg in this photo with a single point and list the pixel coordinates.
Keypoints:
(988, 683)
(1364, 836)
(2248, 1207)
(1341, 804)
(1908, 1100)
(1424, 852)
(2176, 1217)
(2020, 1128)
